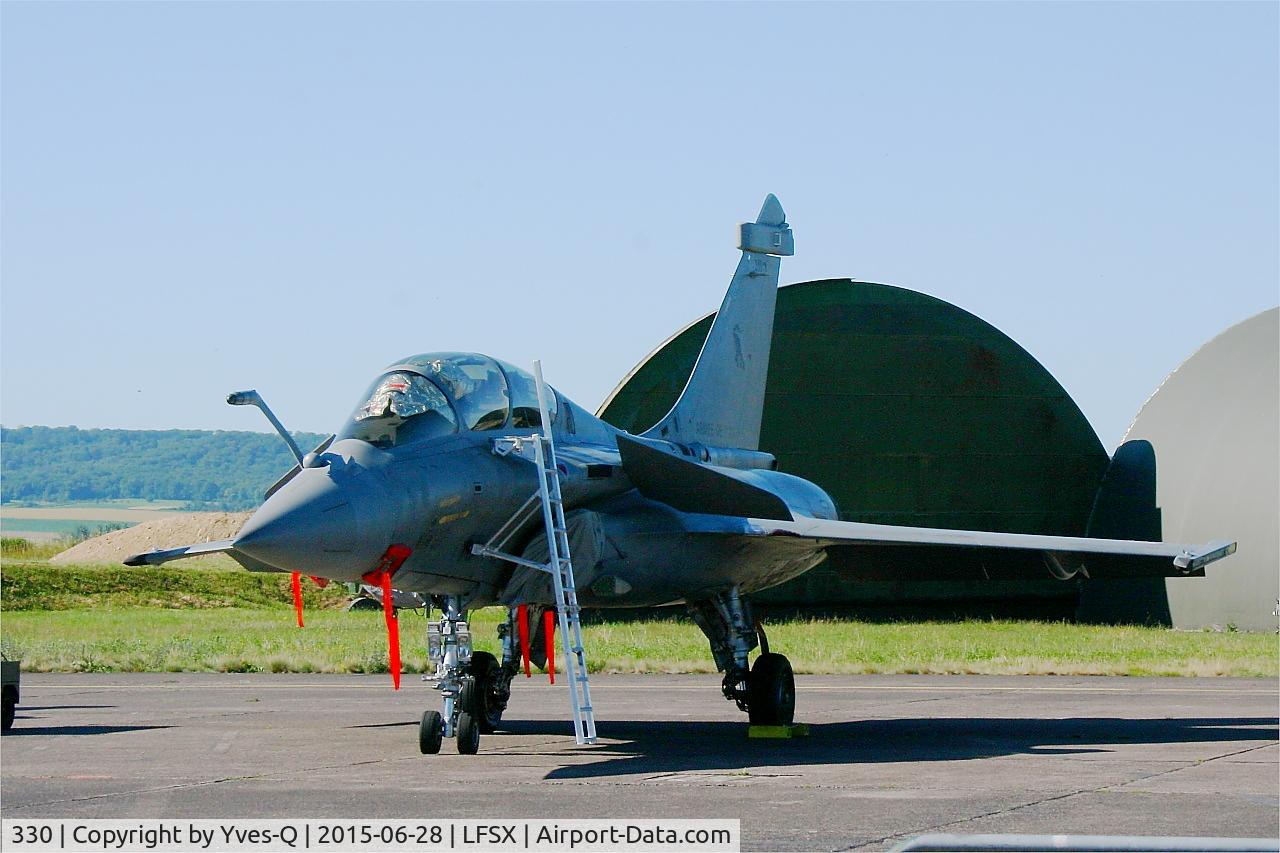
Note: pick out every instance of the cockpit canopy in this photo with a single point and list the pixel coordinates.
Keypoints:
(437, 394)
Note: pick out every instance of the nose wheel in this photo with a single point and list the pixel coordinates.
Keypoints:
(468, 727)
(430, 733)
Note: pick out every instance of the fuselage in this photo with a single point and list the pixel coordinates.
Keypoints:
(440, 488)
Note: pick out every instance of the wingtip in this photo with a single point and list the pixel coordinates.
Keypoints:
(1197, 558)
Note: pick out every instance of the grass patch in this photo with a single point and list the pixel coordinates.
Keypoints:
(18, 548)
(226, 640)
(265, 640)
(197, 616)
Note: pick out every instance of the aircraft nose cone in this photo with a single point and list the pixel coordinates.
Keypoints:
(307, 526)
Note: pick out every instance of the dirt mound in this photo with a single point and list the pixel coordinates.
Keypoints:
(187, 528)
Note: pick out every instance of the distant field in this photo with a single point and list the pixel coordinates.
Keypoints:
(32, 535)
(96, 513)
(46, 523)
(53, 527)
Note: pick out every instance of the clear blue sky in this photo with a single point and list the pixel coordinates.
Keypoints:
(199, 198)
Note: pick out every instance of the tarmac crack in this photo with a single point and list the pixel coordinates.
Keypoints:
(928, 829)
(1054, 798)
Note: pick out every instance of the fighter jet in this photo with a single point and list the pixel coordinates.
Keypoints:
(429, 488)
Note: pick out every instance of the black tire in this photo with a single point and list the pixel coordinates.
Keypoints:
(488, 700)
(468, 733)
(363, 603)
(430, 733)
(771, 692)
(10, 710)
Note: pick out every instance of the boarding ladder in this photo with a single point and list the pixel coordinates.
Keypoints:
(559, 562)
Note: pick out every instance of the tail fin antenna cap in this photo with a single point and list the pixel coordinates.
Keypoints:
(769, 234)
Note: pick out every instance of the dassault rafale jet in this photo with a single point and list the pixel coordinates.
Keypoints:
(434, 483)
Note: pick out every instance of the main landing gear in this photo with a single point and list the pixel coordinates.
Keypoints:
(474, 687)
(767, 689)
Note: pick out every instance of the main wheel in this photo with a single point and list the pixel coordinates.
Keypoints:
(489, 700)
(468, 723)
(430, 733)
(771, 692)
(10, 709)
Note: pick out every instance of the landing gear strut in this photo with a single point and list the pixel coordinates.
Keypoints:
(449, 647)
(767, 690)
(474, 687)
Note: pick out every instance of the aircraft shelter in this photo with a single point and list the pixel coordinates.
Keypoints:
(1210, 462)
(909, 410)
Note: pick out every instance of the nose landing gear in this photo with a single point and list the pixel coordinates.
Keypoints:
(449, 646)
(474, 687)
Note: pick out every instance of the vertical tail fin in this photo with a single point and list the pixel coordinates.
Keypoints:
(723, 402)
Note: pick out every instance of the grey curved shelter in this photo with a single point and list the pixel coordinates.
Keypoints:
(1213, 426)
(907, 410)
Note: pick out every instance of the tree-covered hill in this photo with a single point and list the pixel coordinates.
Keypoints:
(215, 470)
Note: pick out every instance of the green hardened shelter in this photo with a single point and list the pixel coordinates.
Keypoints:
(907, 410)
